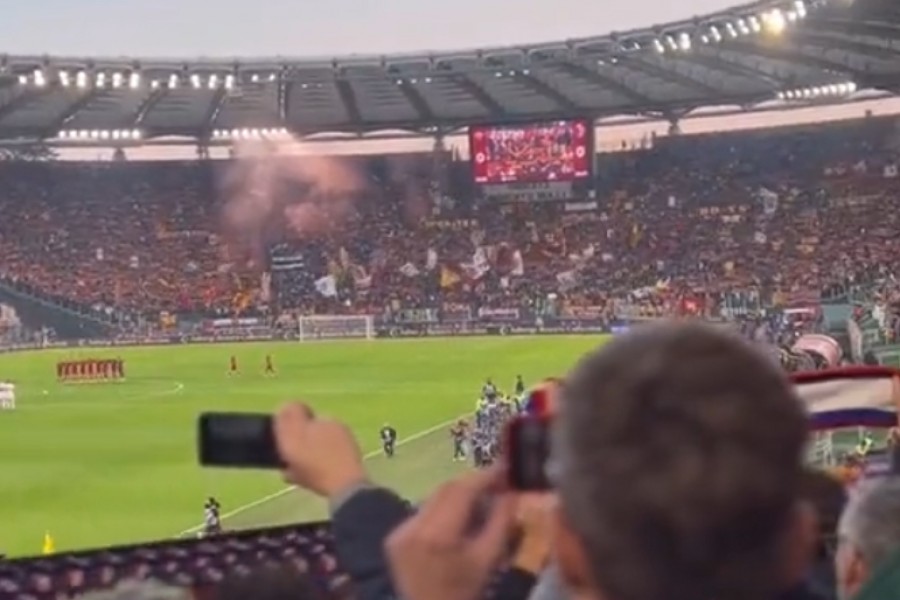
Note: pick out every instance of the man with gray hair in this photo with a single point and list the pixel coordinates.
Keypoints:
(868, 534)
(678, 462)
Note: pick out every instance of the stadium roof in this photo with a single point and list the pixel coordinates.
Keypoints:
(793, 50)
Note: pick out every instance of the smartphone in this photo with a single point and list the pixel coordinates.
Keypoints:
(237, 440)
(528, 453)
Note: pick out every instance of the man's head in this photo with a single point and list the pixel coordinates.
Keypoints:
(868, 533)
(678, 451)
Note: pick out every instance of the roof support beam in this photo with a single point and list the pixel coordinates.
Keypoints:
(793, 56)
(479, 93)
(876, 29)
(718, 62)
(284, 93)
(215, 107)
(413, 96)
(67, 115)
(672, 76)
(580, 71)
(23, 99)
(149, 102)
(852, 46)
(548, 91)
(348, 97)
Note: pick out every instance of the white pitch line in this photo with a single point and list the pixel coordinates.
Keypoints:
(374, 454)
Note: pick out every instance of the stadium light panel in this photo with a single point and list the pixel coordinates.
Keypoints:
(62, 134)
(715, 33)
(213, 81)
(254, 78)
(684, 41)
(800, 8)
(229, 82)
(775, 22)
(754, 24)
(173, 81)
(273, 77)
(104, 134)
(23, 80)
(136, 134)
(743, 27)
(81, 79)
(116, 134)
(195, 81)
(101, 79)
(39, 79)
(658, 45)
(83, 134)
(64, 79)
(729, 27)
(117, 80)
(134, 82)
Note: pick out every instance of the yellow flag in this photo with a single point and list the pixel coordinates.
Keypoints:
(49, 546)
(449, 278)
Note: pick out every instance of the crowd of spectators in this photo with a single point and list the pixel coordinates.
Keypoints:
(725, 222)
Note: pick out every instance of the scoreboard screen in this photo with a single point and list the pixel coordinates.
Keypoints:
(532, 153)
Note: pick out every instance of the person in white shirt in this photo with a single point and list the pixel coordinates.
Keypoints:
(7, 396)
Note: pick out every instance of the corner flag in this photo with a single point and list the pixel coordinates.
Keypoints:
(49, 546)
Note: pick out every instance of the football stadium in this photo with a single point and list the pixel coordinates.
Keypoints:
(415, 246)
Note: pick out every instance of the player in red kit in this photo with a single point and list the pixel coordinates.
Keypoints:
(270, 365)
(233, 366)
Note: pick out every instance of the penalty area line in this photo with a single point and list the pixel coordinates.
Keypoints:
(374, 454)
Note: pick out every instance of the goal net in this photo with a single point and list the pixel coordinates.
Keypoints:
(330, 327)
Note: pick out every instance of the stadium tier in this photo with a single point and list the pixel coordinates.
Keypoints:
(417, 297)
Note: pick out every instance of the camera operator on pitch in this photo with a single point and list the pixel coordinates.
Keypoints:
(212, 520)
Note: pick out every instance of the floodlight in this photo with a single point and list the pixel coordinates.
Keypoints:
(64, 79)
(81, 79)
(104, 134)
(742, 27)
(272, 76)
(195, 81)
(23, 79)
(117, 80)
(136, 134)
(229, 82)
(715, 33)
(255, 78)
(83, 134)
(659, 46)
(134, 81)
(852, 87)
(39, 78)
(173, 81)
(754, 24)
(775, 21)
(101, 79)
(800, 8)
(729, 27)
(684, 41)
(95, 134)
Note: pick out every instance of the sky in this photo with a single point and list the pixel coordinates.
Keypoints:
(314, 28)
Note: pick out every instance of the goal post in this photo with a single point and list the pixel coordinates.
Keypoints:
(332, 327)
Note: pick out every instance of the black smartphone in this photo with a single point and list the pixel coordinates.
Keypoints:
(237, 440)
(528, 453)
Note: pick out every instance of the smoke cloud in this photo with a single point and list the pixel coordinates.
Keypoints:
(281, 191)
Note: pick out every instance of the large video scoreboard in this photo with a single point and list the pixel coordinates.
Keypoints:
(553, 151)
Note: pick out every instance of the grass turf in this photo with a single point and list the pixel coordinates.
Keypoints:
(114, 463)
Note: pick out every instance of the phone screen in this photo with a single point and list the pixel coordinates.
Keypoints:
(237, 440)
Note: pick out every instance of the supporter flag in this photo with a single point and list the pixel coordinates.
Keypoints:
(432, 259)
(265, 286)
(449, 277)
(49, 545)
(518, 264)
(327, 286)
(567, 279)
(344, 258)
(361, 279)
(409, 270)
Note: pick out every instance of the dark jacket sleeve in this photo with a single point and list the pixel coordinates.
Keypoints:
(514, 584)
(361, 525)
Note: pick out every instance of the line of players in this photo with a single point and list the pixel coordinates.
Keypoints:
(493, 410)
(90, 369)
(268, 369)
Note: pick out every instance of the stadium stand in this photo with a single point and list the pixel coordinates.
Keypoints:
(778, 232)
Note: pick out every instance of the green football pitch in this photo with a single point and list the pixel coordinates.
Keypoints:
(115, 463)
